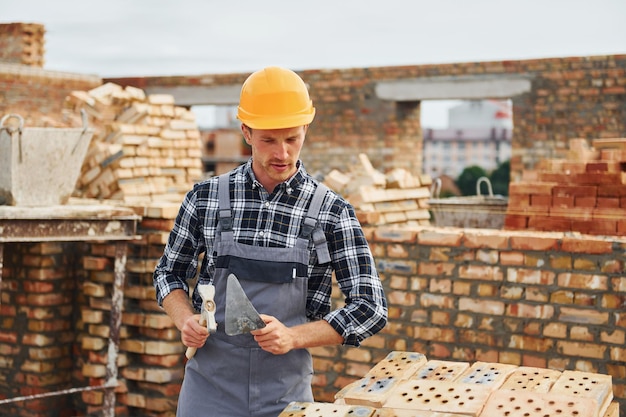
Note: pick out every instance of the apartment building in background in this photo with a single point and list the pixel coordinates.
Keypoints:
(478, 133)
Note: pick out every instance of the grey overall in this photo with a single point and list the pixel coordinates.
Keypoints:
(231, 376)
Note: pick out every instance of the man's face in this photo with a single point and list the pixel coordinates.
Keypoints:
(274, 153)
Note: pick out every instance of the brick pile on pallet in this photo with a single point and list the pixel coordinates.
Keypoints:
(407, 384)
(585, 192)
(22, 43)
(395, 198)
(145, 148)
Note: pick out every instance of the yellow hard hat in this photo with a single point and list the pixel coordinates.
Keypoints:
(275, 98)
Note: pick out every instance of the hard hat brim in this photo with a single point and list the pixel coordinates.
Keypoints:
(277, 122)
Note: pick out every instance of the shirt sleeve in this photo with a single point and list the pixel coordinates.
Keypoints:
(365, 311)
(179, 261)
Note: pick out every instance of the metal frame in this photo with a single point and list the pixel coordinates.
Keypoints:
(78, 223)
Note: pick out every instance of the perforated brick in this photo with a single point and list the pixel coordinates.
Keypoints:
(440, 396)
(391, 412)
(584, 384)
(534, 404)
(369, 391)
(375, 386)
(398, 364)
(441, 370)
(612, 411)
(492, 375)
(306, 409)
(531, 379)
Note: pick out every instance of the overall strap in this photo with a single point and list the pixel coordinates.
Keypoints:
(311, 227)
(225, 212)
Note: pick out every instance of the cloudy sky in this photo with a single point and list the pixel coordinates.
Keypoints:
(114, 38)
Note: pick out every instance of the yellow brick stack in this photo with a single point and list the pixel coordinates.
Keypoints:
(397, 197)
(145, 148)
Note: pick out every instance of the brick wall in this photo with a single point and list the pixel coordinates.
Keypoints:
(575, 97)
(38, 95)
(549, 300)
(37, 333)
(540, 299)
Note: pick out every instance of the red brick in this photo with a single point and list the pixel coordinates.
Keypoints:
(562, 201)
(484, 239)
(559, 178)
(515, 222)
(608, 202)
(532, 188)
(597, 167)
(548, 223)
(589, 202)
(534, 243)
(519, 200)
(598, 178)
(612, 190)
(582, 281)
(540, 200)
(574, 213)
(440, 238)
(574, 191)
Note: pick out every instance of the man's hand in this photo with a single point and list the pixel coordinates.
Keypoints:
(178, 307)
(279, 339)
(275, 337)
(193, 334)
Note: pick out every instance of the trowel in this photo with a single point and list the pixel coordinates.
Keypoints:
(240, 315)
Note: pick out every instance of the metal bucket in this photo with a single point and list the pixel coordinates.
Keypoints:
(483, 212)
(40, 166)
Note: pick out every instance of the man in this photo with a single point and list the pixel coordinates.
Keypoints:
(264, 222)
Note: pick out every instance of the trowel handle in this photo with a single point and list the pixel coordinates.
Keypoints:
(192, 350)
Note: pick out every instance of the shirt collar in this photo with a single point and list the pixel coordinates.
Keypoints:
(289, 185)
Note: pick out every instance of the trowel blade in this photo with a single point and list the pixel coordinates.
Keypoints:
(240, 315)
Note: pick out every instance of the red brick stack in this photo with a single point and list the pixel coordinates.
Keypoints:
(586, 192)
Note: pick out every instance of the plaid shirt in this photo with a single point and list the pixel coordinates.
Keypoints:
(263, 219)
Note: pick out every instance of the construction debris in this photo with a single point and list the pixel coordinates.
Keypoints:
(398, 197)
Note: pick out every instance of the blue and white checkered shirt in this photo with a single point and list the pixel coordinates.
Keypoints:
(263, 219)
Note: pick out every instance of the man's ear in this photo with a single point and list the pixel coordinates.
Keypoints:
(246, 131)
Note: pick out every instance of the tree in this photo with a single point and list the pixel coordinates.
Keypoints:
(468, 178)
(500, 178)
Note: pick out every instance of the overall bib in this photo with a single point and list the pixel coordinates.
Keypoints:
(231, 376)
